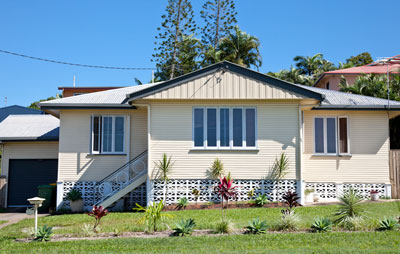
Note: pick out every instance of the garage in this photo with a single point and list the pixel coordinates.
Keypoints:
(29, 145)
(25, 175)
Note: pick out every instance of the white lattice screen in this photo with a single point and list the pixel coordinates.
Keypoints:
(177, 189)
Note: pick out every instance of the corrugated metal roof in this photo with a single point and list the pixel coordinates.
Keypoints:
(29, 127)
(118, 97)
(113, 97)
(341, 99)
(17, 110)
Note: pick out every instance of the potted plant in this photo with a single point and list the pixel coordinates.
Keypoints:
(309, 195)
(374, 195)
(315, 197)
(75, 200)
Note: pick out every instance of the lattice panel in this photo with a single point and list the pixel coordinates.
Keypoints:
(325, 190)
(90, 196)
(177, 189)
(364, 189)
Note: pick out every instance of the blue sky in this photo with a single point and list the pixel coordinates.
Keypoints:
(121, 33)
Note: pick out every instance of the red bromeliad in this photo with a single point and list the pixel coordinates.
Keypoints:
(97, 213)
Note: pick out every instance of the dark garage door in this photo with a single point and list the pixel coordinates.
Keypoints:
(24, 177)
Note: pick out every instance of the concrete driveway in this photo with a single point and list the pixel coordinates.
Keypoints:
(12, 218)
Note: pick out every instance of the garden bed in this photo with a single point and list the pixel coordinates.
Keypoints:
(231, 205)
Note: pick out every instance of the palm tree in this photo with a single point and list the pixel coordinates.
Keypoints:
(164, 169)
(240, 48)
(309, 65)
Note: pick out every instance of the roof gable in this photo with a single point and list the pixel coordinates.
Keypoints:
(224, 80)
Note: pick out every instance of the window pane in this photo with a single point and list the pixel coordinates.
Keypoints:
(343, 135)
(250, 127)
(119, 134)
(331, 134)
(107, 134)
(211, 127)
(198, 127)
(237, 127)
(319, 135)
(96, 133)
(224, 127)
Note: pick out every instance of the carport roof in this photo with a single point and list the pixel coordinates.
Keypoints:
(29, 128)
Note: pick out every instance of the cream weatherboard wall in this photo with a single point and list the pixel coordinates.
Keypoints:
(224, 85)
(76, 163)
(369, 148)
(27, 150)
(171, 133)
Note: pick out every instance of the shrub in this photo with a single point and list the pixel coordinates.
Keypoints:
(196, 194)
(321, 225)
(74, 195)
(353, 223)
(388, 224)
(349, 207)
(290, 198)
(224, 227)
(280, 167)
(261, 200)
(251, 193)
(44, 234)
(226, 190)
(97, 213)
(184, 227)
(182, 203)
(217, 168)
(257, 227)
(153, 215)
(289, 221)
(87, 229)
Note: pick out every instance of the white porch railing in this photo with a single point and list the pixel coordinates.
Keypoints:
(121, 178)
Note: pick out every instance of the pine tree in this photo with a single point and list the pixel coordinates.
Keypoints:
(220, 18)
(177, 25)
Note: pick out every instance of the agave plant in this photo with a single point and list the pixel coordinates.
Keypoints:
(44, 234)
(256, 227)
(321, 225)
(388, 224)
(152, 216)
(182, 203)
(261, 200)
(184, 227)
(97, 213)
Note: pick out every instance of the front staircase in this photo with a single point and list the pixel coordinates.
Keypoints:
(122, 181)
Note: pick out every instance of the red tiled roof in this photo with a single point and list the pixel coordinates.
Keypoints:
(374, 67)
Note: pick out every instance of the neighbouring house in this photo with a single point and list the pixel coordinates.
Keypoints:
(110, 141)
(68, 91)
(30, 153)
(17, 110)
(331, 79)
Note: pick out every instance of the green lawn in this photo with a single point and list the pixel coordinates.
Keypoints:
(336, 242)
(2, 221)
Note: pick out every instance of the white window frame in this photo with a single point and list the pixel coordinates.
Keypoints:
(112, 134)
(325, 153)
(218, 145)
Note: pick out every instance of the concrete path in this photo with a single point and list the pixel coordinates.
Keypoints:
(13, 218)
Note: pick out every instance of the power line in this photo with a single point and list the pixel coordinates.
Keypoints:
(74, 64)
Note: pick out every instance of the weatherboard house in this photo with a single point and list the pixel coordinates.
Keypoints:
(109, 142)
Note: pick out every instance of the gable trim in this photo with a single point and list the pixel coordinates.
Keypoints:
(231, 67)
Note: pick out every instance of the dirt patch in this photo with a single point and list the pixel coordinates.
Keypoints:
(218, 206)
(103, 236)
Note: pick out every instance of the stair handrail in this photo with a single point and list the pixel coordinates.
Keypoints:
(122, 167)
(114, 184)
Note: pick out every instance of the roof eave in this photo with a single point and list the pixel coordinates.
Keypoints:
(358, 107)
